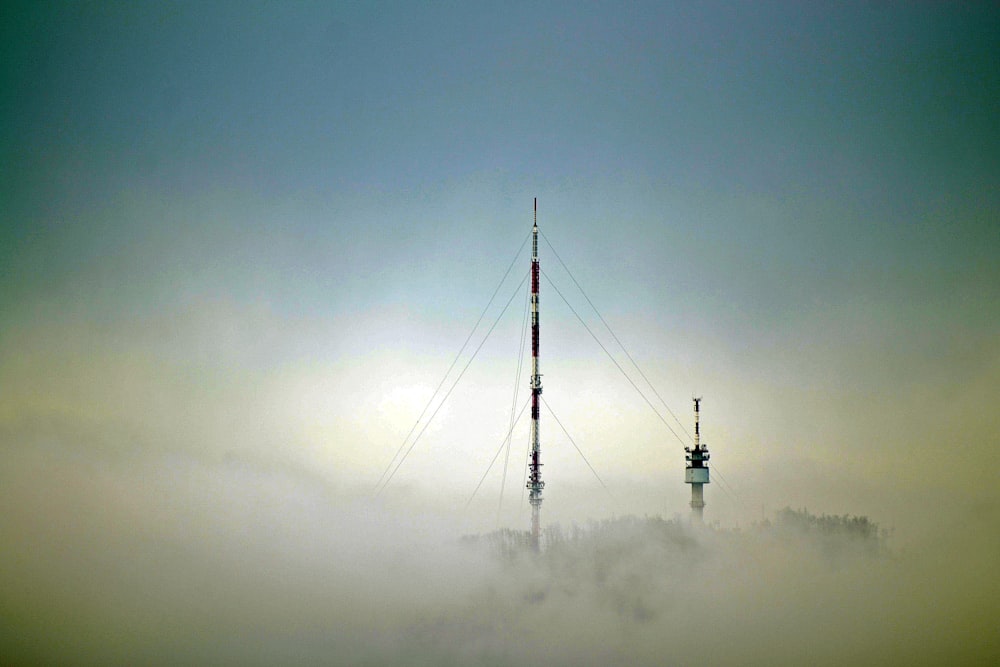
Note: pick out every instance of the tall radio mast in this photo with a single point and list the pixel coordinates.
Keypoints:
(535, 483)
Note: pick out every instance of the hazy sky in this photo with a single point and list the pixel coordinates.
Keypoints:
(241, 242)
(261, 231)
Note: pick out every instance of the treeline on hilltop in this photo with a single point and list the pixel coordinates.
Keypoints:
(833, 535)
(857, 527)
(635, 570)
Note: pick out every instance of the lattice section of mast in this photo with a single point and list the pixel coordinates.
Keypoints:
(535, 483)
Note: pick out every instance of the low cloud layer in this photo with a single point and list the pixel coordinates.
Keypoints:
(168, 560)
(190, 497)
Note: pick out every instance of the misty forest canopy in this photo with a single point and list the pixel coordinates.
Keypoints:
(833, 536)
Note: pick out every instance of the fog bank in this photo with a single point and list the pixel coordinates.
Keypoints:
(171, 560)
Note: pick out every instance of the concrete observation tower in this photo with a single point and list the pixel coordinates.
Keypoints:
(696, 473)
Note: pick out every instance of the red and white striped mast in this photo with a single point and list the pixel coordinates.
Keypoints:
(535, 483)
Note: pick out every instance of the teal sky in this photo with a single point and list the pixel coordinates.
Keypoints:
(262, 230)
